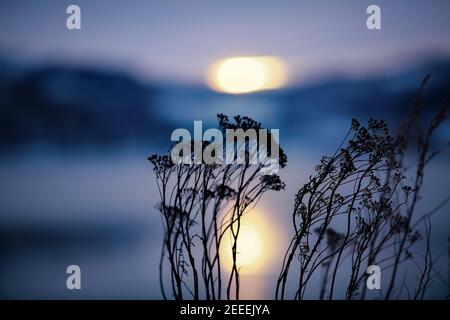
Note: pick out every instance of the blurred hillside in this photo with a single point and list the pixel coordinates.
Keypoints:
(71, 106)
(66, 106)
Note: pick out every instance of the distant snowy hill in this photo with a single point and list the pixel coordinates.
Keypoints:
(66, 106)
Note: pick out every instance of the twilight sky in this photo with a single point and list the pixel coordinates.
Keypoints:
(170, 40)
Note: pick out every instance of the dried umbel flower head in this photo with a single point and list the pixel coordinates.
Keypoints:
(201, 203)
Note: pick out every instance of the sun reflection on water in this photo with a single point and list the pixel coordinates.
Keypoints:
(255, 244)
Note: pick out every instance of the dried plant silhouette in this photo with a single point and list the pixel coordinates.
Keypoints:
(358, 209)
(201, 207)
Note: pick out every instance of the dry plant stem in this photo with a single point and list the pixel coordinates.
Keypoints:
(201, 205)
(362, 185)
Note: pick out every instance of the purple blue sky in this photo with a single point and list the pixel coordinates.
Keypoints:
(177, 40)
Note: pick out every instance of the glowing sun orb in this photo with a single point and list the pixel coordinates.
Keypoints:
(247, 74)
(251, 246)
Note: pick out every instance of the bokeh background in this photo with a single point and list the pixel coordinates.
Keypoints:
(81, 110)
